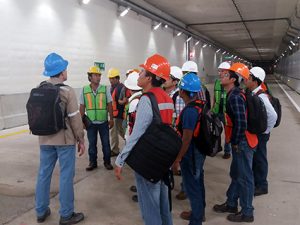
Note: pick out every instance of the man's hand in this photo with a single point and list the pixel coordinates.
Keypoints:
(110, 124)
(81, 148)
(176, 166)
(118, 171)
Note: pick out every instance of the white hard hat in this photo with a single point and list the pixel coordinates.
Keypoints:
(258, 73)
(190, 66)
(224, 66)
(176, 72)
(131, 81)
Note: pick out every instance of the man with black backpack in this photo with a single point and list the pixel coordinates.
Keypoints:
(190, 158)
(152, 195)
(57, 144)
(243, 144)
(260, 162)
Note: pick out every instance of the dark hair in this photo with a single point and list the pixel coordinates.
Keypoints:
(256, 79)
(154, 81)
(234, 75)
(56, 75)
(189, 93)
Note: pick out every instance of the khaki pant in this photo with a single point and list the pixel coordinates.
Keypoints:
(114, 134)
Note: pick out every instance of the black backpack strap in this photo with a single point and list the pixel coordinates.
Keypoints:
(155, 109)
(174, 97)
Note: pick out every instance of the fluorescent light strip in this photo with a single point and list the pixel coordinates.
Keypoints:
(157, 26)
(179, 33)
(125, 12)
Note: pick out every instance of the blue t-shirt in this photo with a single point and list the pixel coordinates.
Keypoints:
(189, 121)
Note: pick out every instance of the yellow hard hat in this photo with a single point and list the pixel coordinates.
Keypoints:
(94, 69)
(113, 72)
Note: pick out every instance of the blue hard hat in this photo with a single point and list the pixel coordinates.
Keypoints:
(54, 64)
(190, 82)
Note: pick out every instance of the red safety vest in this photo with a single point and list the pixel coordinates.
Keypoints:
(165, 104)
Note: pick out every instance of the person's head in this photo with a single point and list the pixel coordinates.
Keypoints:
(189, 66)
(257, 76)
(156, 70)
(236, 73)
(55, 67)
(114, 76)
(131, 82)
(175, 77)
(223, 67)
(189, 86)
(94, 75)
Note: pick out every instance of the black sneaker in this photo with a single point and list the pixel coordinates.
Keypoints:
(239, 217)
(41, 219)
(75, 218)
(226, 156)
(135, 198)
(91, 167)
(133, 188)
(108, 166)
(223, 208)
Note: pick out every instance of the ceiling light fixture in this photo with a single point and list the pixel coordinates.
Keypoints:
(166, 26)
(85, 2)
(197, 43)
(188, 39)
(204, 45)
(178, 34)
(218, 50)
(156, 26)
(293, 43)
(125, 12)
(290, 47)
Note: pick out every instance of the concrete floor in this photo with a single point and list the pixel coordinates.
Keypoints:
(106, 201)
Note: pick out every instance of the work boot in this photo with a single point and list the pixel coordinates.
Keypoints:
(41, 219)
(91, 166)
(260, 191)
(108, 166)
(223, 208)
(181, 195)
(239, 218)
(135, 198)
(75, 218)
(186, 215)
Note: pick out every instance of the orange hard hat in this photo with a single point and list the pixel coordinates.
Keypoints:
(158, 65)
(241, 70)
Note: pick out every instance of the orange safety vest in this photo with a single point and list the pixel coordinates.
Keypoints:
(251, 138)
(165, 104)
(115, 104)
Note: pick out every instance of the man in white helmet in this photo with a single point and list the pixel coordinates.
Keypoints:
(260, 161)
(219, 103)
(191, 66)
(171, 87)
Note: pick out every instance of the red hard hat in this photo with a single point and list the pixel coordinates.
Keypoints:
(158, 65)
(241, 70)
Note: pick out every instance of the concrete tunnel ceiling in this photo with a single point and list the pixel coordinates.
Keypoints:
(258, 30)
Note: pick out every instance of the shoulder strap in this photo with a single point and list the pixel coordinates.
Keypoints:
(155, 109)
(174, 97)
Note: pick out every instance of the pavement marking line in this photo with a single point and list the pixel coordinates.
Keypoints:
(14, 133)
(290, 98)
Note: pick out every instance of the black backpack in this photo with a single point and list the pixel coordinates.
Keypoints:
(207, 134)
(45, 115)
(257, 119)
(277, 107)
(157, 148)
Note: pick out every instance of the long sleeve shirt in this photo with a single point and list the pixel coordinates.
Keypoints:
(236, 109)
(271, 113)
(144, 117)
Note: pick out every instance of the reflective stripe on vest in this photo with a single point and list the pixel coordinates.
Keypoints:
(251, 138)
(95, 105)
(165, 104)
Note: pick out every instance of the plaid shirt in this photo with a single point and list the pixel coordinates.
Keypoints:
(236, 110)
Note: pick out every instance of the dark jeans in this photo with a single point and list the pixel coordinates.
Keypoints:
(260, 162)
(92, 132)
(242, 181)
(193, 182)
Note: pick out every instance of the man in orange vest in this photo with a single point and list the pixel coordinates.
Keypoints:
(153, 197)
(243, 145)
(119, 100)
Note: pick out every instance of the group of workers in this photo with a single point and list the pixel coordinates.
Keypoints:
(124, 111)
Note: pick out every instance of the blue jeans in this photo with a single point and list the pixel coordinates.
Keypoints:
(260, 163)
(227, 146)
(193, 182)
(242, 181)
(48, 157)
(92, 133)
(153, 201)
